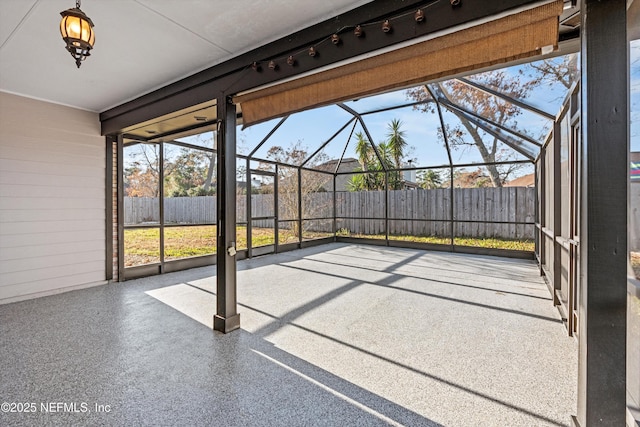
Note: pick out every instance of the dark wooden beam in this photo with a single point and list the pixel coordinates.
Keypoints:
(603, 240)
(120, 205)
(226, 318)
(108, 206)
(236, 75)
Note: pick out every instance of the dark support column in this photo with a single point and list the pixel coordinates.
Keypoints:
(300, 207)
(161, 207)
(386, 206)
(557, 217)
(248, 211)
(120, 206)
(540, 208)
(108, 207)
(452, 227)
(227, 318)
(335, 208)
(276, 210)
(603, 240)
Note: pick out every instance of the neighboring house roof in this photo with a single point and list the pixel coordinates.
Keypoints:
(346, 165)
(523, 181)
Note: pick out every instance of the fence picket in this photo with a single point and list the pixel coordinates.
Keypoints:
(429, 207)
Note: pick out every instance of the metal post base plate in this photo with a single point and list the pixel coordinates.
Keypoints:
(226, 324)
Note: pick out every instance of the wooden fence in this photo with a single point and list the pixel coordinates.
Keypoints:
(507, 212)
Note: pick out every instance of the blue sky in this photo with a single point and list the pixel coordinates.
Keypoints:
(314, 127)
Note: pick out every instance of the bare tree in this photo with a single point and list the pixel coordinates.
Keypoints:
(563, 70)
(312, 186)
(466, 134)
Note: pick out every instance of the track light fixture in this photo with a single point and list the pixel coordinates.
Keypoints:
(358, 31)
(335, 39)
(386, 26)
(419, 15)
(312, 51)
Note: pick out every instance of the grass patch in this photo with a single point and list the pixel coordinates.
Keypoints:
(142, 245)
(423, 239)
(184, 242)
(493, 243)
(496, 243)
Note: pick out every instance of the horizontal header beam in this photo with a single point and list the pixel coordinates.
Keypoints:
(236, 75)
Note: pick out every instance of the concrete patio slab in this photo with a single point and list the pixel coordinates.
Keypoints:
(333, 335)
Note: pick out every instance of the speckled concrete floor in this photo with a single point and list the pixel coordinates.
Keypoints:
(334, 335)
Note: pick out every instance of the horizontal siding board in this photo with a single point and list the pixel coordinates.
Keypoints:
(42, 274)
(56, 158)
(50, 180)
(46, 168)
(53, 284)
(35, 251)
(80, 147)
(30, 191)
(63, 138)
(18, 228)
(52, 261)
(17, 110)
(32, 239)
(47, 203)
(28, 215)
(52, 197)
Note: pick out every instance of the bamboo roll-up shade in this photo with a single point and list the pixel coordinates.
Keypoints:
(513, 37)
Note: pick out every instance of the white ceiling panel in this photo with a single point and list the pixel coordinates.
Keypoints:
(141, 45)
(13, 12)
(241, 25)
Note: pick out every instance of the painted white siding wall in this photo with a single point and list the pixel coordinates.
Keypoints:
(52, 198)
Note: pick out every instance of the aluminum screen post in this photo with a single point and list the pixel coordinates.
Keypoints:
(226, 318)
(602, 323)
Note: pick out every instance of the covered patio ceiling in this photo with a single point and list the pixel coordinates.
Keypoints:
(141, 45)
(190, 101)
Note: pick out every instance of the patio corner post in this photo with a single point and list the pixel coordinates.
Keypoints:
(603, 238)
(226, 318)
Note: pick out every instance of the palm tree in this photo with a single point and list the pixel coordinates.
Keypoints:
(363, 150)
(396, 141)
(388, 155)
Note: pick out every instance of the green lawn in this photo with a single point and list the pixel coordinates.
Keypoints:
(142, 245)
(494, 243)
